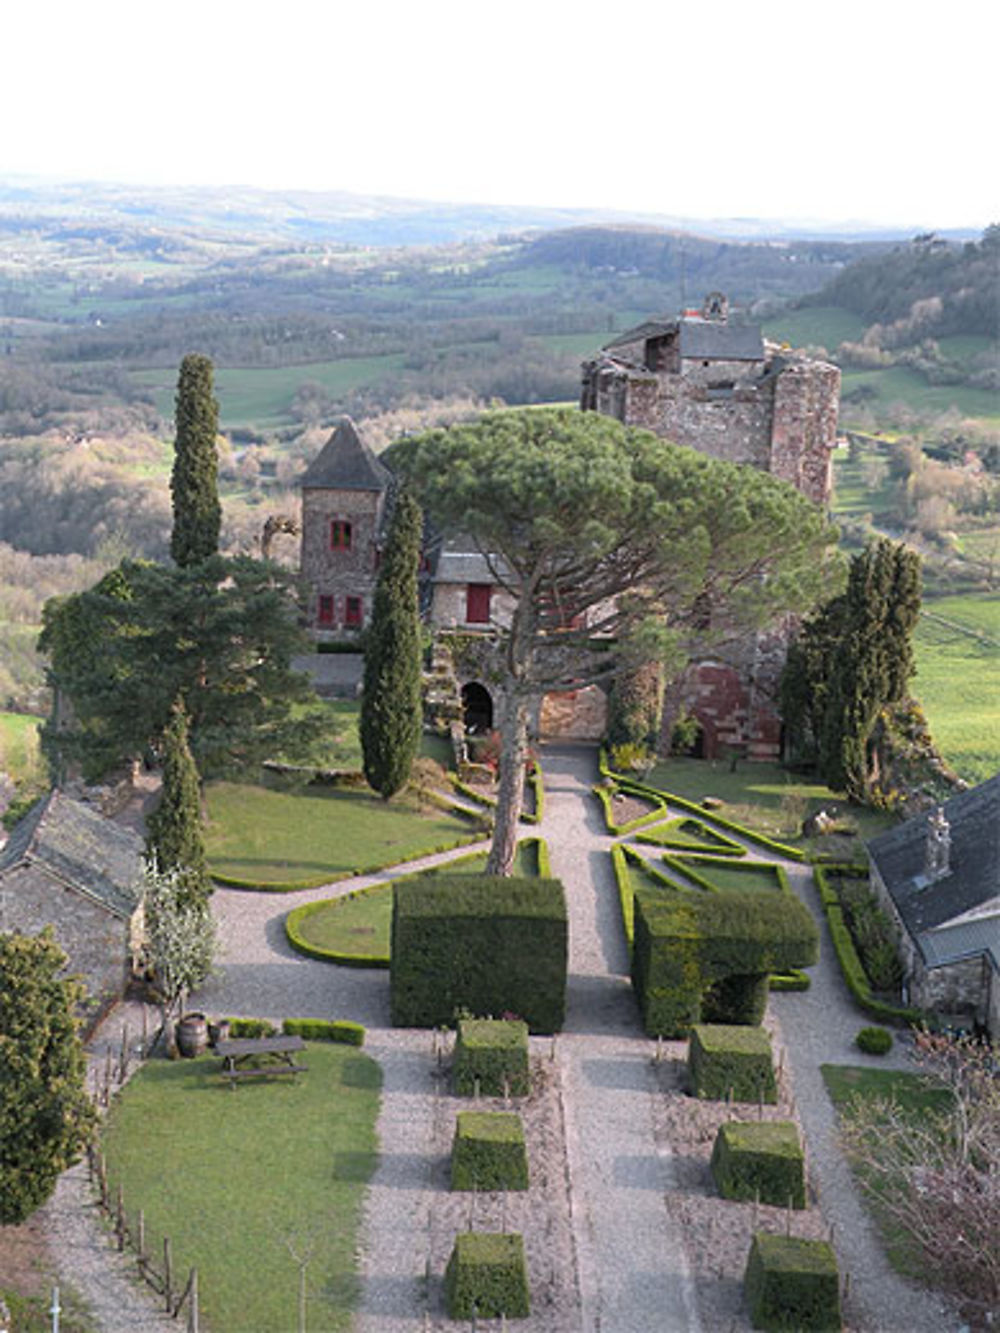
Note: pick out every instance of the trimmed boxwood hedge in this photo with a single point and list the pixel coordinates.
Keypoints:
(606, 797)
(691, 835)
(698, 868)
(874, 1041)
(488, 1152)
(760, 1160)
(750, 835)
(722, 945)
(491, 1058)
(850, 963)
(791, 1284)
(487, 1276)
(731, 1062)
(325, 1029)
(478, 944)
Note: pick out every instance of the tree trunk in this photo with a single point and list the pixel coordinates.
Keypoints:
(510, 796)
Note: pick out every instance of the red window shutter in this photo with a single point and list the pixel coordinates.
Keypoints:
(477, 603)
(325, 615)
(352, 611)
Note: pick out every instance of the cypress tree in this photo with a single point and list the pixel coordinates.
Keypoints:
(194, 480)
(46, 1117)
(174, 841)
(391, 702)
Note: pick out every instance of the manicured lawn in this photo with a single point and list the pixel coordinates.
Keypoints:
(689, 834)
(236, 1179)
(763, 797)
(739, 877)
(309, 835)
(359, 924)
(338, 743)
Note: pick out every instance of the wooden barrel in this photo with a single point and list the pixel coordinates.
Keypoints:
(192, 1035)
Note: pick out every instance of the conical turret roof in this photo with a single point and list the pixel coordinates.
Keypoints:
(345, 463)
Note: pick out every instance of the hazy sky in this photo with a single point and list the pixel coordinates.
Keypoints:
(878, 110)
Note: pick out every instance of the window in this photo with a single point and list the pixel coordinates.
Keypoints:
(340, 535)
(352, 611)
(325, 614)
(477, 603)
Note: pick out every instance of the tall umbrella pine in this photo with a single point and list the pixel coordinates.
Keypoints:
(391, 699)
(174, 841)
(194, 479)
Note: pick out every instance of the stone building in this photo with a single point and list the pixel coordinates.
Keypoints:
(718, 387)
(938, 877)
(67, 866)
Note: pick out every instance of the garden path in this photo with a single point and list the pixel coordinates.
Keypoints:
(628, 1251)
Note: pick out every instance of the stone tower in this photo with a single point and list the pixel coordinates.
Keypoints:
(718, 387)
(344, 493)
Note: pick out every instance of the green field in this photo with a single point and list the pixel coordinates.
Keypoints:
(958, 680)
(815, 326)
(313, 835)
(261, 398)
(19, 752)
(239, 1180)
(903, 385)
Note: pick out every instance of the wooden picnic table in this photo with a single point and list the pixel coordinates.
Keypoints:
(278, 1053)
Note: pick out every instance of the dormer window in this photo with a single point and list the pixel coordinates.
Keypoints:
(340, 535)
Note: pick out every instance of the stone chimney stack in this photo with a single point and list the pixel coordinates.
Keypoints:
(937, 854)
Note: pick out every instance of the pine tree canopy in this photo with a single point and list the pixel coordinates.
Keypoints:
(391, 699)
(194, 480)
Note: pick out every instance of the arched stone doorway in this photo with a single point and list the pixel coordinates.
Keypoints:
(477, 709)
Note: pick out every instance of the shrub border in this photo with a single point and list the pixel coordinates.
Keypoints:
(534, 780)
(683, 866)
(605, 795)
(730, 849)
(851, 968)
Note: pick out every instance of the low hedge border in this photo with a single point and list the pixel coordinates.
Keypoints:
(620, 857)
(606, 797)
(726, 847)
(708, 816)
(310, 1029)
(796, 980)
(688, 866)
(296, 886)
(298, 914)
(534, 780)
(850, 963)
(301, 945)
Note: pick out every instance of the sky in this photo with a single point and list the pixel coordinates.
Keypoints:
(862, 110)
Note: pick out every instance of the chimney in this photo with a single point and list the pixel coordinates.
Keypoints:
(937, 852)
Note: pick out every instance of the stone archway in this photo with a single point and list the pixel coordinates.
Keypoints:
(477, 709)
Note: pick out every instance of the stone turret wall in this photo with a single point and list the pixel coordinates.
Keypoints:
(339, 574)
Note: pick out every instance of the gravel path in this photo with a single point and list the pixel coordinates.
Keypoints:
(618, 1154)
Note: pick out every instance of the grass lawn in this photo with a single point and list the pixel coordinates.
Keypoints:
(764, 797)
(911, 1091)
(338, 746)
(958, 681)
(738, 877)
(309, 835)
(815, 326)
(689, 835)
(359, 924)
(237, 1178)
(19, 752)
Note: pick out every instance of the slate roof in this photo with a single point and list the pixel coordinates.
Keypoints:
(80, 848)
(973, 879)
(345, 463)
(459, 560)
(701, 339)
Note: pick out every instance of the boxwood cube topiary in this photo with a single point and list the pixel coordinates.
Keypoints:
(791, 1283)
(488, 1152)
(760, 1160)
(491, 1055)
(700, 956)
(478, 943)
(727, 1061)
(487, 1276)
